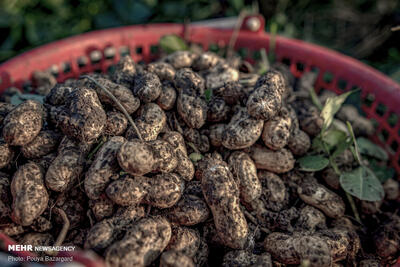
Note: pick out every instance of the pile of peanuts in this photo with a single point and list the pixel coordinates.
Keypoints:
(185, 179)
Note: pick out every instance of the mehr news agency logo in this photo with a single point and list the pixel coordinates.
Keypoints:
(49, 249)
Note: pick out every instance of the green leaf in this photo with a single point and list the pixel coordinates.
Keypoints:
(341, 147)
(172, 43)
(19, 98)
(195, 157)
(331, 107)
(318, 144)
(382, 172)
(331, 139)
(334, 137)
(370, 149)
(315, 99)
(354, 149)
(208, 94)
(363, 184)
(313, 163)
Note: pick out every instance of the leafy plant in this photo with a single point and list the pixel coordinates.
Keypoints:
(330, 139)
(361, 182)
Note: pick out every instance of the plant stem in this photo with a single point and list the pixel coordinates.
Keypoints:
(264, 60)
(334, 165)
(349, 197)
(235, 33)
(65, 228)
(254, 221)
(315, 99)
(63, 232)
(272, 41)
(353, 207)
(121, 107)
(357, 150)
(88, 214)
(186, 29)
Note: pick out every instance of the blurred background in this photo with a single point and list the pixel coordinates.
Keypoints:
(359, 28)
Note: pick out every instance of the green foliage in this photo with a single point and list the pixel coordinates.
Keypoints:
(172, 43)
(315, 99)
(132, 11)
(333, 138)
(237, 5)
(341, 147)
(26, 24)
(333, 141)
(330, 139)
(363, 184)
(331, 107)
(388, 63)
(208, 94)
(370, 149)
(263, 65)
(313, 163)
(317, 144)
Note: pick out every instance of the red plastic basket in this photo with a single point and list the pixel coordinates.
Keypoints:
(98, 50)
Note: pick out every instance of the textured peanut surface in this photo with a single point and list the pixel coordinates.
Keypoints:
(23, 123)
(222, 196)
(142, 244)
(29, 194)
(136, 157)
(103, 167)
(242, 130)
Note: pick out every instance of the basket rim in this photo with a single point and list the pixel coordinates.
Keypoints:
(176, 27)
(20, 67)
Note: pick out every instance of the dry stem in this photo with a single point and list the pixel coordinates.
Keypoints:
(121, 107)
(63, 232)
(235, 33)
